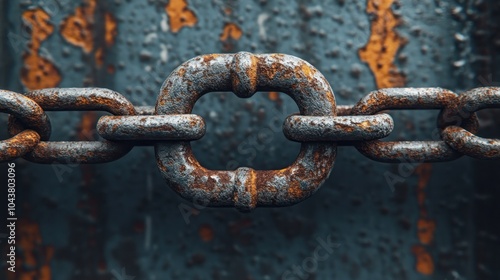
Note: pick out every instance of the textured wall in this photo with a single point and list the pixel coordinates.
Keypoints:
(112, 220)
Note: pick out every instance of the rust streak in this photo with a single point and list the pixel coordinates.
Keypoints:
(426, 227)
(38, 72)
(423, 172)
(110, 28)
(99, 57)
(384, 43)
(180, 15)
(424, 264)
(86, 132)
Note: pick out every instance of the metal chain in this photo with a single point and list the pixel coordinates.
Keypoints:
(320, 126)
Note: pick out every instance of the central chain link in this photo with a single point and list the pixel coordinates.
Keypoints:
(320, 126)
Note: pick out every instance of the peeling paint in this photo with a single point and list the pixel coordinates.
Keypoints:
(383, 45)
(180, 15)
(38, 72)
(231, 31)
(77, 29)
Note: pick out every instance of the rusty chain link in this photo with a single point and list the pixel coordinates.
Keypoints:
(320, 126)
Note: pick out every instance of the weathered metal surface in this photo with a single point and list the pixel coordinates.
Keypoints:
(351, 128)
(145, 110)
(245, 73)
(28, 112)
(241, 71)
(409, 98)
(464, 141)
(437, 222)
(18, 145)
(408, 151)
(163, 127)
(82, 99)
(470, 144)
(81, 152)
(79, 99)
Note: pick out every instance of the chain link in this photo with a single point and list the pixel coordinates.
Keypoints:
(76, 99)
(356, 125)
(320, 127)
(464, 141)
(407, 98)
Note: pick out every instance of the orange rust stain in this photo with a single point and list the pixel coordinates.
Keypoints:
(110, 28)
(33, 255)
(87, 124)
(228, 11)
(274, 96)
(384, 42)
(77, 29)
(232, 31)
(308, 71)
(424, 264)
(111, 69)
(206, 233)
(99, 57)
(180, 15)
(38, 72)
(86, 132)
(423, 172)
(426, 229)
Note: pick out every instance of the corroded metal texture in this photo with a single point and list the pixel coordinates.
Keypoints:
(465, 141)
(82, 99)
(145, 110)
(438, 221)
(77, 99)
(245, 73)
(469, 144)
(18, 145)
(407, 151)
(70, 152)
(31, 115)
(351, 128)
(318, 128)
(408, 98)
(164, 127)
(27, 111)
